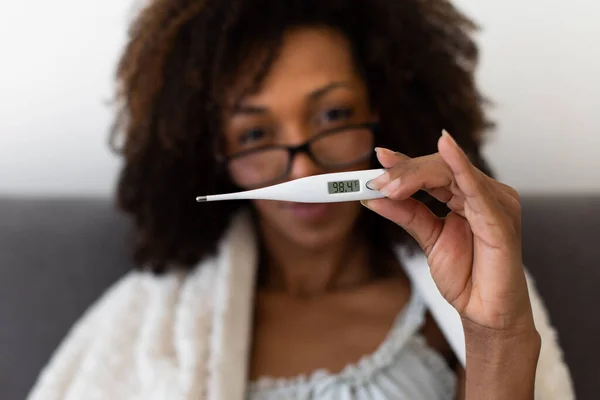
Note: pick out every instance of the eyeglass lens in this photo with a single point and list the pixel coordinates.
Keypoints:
(331, 150)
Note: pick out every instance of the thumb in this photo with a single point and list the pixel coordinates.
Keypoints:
(413, 216)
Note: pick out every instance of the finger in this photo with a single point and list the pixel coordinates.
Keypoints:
(388, 158)
(402, 166)
(413, 216)
(479, 202)
(507, 196)
(409, 175)
(465, 174)
(510, 203)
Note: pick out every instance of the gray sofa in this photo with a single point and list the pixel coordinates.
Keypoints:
(58, 255)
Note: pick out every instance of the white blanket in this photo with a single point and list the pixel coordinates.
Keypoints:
(185, 336)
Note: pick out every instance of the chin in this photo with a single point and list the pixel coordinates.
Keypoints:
(316, 240)
(312, 226)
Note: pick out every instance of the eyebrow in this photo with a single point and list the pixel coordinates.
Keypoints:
(249, 109)
(312, 96)
(316, 94)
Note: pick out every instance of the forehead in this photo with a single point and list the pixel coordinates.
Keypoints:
(309, 58)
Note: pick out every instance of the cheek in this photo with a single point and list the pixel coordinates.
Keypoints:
(337, 226)
(341, 216)
(265, 208)
(272, 213)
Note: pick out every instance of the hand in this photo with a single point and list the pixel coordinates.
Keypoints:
(475, 251)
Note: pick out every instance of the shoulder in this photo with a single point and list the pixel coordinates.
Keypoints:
(141, 321)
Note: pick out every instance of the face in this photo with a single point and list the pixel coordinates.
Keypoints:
(311, 89)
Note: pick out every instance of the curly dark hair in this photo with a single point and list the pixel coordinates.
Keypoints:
(416, 57)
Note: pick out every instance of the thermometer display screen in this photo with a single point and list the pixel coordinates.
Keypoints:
(343, 186)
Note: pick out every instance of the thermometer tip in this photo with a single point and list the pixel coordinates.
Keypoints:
(200, 199)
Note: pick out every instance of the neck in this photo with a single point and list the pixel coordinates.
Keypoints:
(307, 272)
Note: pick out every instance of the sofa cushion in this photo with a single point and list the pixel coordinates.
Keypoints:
(561, 243)
(58, 255)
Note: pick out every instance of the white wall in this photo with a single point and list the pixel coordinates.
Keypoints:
(540, 64)
(56, 70)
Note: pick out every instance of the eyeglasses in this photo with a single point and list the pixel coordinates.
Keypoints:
(332, 149)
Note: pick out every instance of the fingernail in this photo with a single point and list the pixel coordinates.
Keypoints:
(380, 181)
(384, 151)
(365, 203)
(449, 136)
(390, 187)
(456, 145)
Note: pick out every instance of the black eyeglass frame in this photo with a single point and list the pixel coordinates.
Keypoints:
(304, 148)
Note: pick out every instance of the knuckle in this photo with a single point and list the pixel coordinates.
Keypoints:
(403, 169)
(401, 156)
(509, 190)
(514, 194)
(517, 206)
(392, 189)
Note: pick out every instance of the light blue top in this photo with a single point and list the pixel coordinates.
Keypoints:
(403, 367)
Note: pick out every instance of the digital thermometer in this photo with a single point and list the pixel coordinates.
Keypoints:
(325, 188)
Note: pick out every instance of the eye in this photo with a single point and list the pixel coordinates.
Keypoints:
(337, 114)
(252, 135)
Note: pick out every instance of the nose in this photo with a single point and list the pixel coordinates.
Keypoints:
(302, 166)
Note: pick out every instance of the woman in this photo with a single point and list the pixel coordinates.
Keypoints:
(267, 299)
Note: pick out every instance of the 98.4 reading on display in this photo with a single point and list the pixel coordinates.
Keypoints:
(343, 186)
